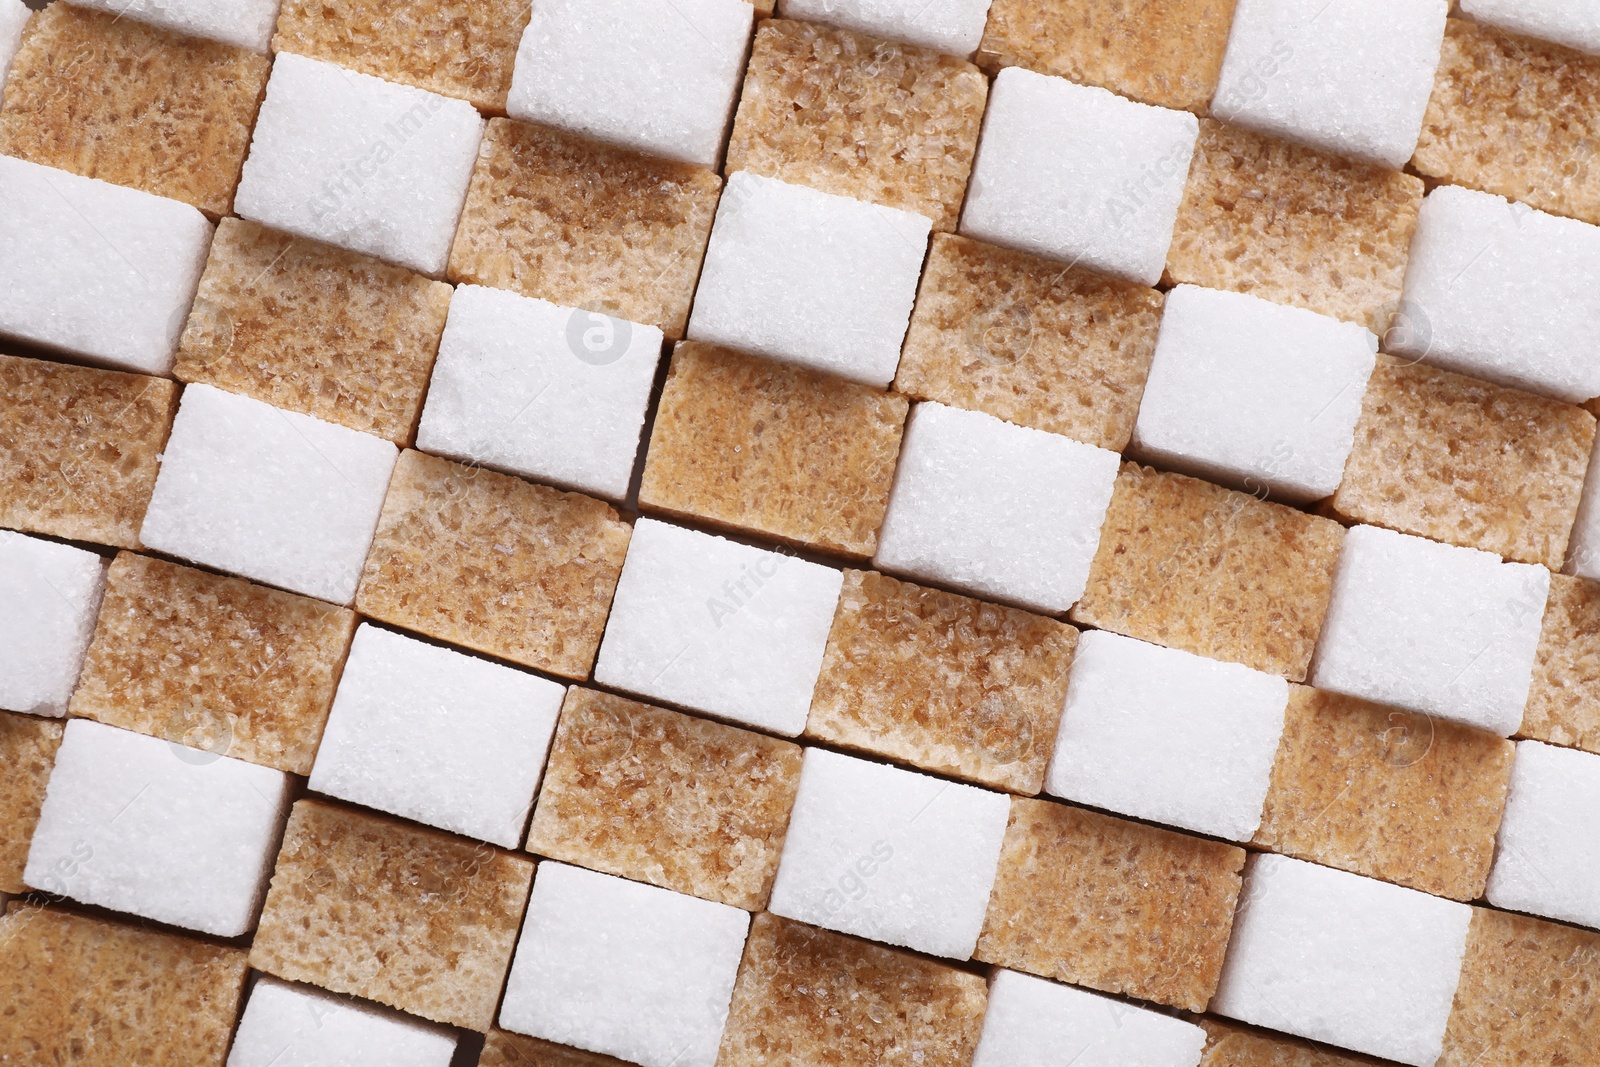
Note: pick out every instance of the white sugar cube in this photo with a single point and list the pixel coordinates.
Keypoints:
(287, 1025)
(954, 26)
(1547, 858)
(359, 162)
(657, 76)
(720, 627)
(13, 17)
(1436, 628)
(149, 827)
(1079, 173)
(94, 269)
(1348, 76)
(624, 969)
(1574, 23)
(1252, 394)
(1336, 957)
(1167, 736)
(889, 854)
(804, 276)
(1501, 291)
(49, 600)
(1034, 1023)
(549, 392)
(438, 736)
(273, 495)
(995, 509)
(246, 23)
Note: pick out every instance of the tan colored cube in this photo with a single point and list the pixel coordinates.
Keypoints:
(505, 1049)
(943, 682)
(810, 996)
(27, 753)
(1390, 794)
(855, 116)
(1219, 573)
(79, 448)
(460, 48)
(577, 223)
(1294, 226)
(1031, 341)
(1110, 904)
(92, 993)
(112, 98)
(315, 329)
(413, 918)
(1230, 1044)
(1564, 697)
(494, 563)
(1514, 116)
(1166, 52)
(773, 449)
(213, 663)
(1459, 460)
(666, 798)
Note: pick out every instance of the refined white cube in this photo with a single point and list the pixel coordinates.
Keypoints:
(890, 855)
(624, 969)
(953, 26)
(1574, 23)
(49, 600)
(292, 1025)
(145, 826)
(998, 510)
(273, 495)
(1080, 174)
(1547, 857)
(13, 18)
(360, 162)
(246, 23)
(1031, 1022)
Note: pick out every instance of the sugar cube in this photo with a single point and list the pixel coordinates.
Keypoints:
(550, 392)
(141, 825)
(94, 269)
(1236, 1045)
(1547, 862)
(1035, 1023)
(1436, 628)
(502, 1048)
(1336, 957)
(246, 23)
(1569, 22)
(1253, 394)
(625, 969)
(28, 747)
(1078, 173)
(717, 626)
(1564, 700)
(795, 274)
(890, 854)
(286, 1025)
(13, 19)
(272, 495)
(995, 509)
(365, 164)
(953, 26)
(52, 596)
(1351, 77)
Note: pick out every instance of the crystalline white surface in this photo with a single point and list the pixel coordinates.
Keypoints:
(246, 23)
(13, 17)
(1031, 1022)
(1574, 23)
(49, 600)
(953, 26)
(1547, 858)
(287, 1025)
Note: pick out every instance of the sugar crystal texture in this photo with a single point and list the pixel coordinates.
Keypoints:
(246, 23)
(1032, 1022)
(953, 26)
(502, 1048)
(286, 1025)
(1564, 699)
(1548, 859)
(28, 747)
(1573, 23)
(1078, 173)
(624, 969)
(51, 594)
(13, 18)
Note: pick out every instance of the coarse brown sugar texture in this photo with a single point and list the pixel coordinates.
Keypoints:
(28, 746)
(505, 1049)
(577, 223)
(494, 563)
(1031, 341)
(855, 116)
(315, 329)
(1564, 697)
(79, 449)
(112, 98)
(1232, 1045)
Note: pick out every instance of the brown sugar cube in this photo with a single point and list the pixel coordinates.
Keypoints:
(942, 682)
(315, 329)
(413, 918)
(213, 663)
(666, 798)
(27, 753)
(78, 449)
(1212, 571)
(1514, 116)
(851, 115)
(810, 996)
(1390, 794)
(91, 993)
(774, 449)
(505, 1049)
(1232, 1045)
(111, 98)
(1110, 904)
(1166, 52)
(1564, 697)
(494, 563)
(1294, 226)
(1459, 460)
(1031, 341)
(577, 223)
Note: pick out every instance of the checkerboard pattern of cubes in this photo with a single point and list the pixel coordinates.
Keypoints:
(722, 533)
